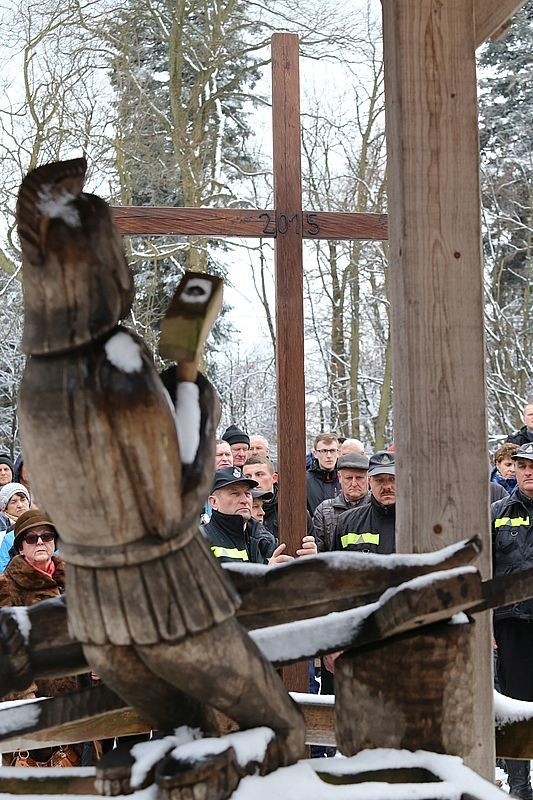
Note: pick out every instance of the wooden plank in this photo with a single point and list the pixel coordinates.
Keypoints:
(40, 781)
(490, 16)
(252, 223)
(330, 582)
(437, 294)
(412, 606)
(79, 717)
(515, 740)
(289, 304)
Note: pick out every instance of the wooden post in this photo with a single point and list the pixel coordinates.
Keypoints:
(289, 304)
(437, 297)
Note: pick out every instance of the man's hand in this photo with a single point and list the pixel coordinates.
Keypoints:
(308, 547)
(278, 557)
(329, 660)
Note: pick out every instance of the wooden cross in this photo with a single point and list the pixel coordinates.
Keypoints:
(288, 225)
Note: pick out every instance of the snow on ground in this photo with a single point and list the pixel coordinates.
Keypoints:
(302, 781)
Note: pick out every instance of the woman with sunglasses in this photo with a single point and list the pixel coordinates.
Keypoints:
(33, 574)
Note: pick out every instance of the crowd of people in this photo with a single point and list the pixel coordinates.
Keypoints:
(351, 501)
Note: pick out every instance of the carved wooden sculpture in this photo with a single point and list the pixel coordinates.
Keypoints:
(154, 613)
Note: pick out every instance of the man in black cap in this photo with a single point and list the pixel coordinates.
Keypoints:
(239, 443)
(233, 533)
(259, 498)
(512, 551)
(352, 470)
(370, 528)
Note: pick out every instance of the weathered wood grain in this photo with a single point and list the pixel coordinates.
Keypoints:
(288, 260)
(437, 294)
(491, 15)
(252, 223)
(414, 692)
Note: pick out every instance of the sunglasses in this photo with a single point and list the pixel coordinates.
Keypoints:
(33, 538)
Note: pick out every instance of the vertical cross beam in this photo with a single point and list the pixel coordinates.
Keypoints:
(289, 304)
(437, 296)
(289, 287)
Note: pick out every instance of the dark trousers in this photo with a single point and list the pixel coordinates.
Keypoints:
(514, 638)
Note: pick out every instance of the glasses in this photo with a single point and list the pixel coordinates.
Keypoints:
(328, 452)
(33, 538)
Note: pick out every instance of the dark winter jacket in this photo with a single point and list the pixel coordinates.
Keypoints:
(497, 492)
(512, 545)
(231, 540)
(522, 436)
(326, 516)
(370, 528)
(321, 485)
(271, 516)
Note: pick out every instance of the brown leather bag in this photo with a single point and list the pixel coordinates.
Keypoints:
(64, 756)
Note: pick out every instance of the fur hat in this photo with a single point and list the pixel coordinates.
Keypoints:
(7, 492)
(30, 519)
(234, 435)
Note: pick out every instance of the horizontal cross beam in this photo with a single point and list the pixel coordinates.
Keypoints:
(252, 223)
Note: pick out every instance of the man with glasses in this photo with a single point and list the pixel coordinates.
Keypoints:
(322, 480)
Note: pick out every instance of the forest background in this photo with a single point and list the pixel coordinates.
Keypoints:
(170, 103)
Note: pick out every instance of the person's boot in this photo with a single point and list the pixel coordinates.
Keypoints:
(519, 780)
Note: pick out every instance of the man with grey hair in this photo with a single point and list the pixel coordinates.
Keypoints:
(351, 446)
(258, 446)
(370, 528)
(352, 470)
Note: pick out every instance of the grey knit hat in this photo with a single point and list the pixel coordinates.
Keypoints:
(7, 492)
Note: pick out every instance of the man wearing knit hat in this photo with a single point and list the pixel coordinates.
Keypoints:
(239, 443)
(6, 469)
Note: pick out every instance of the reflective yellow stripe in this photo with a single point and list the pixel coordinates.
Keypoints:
(514, 522)
(230, 552)
(357, 538)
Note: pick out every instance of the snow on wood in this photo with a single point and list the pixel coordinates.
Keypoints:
(292, 641)
(508, 710)
(22, 714)
(188, 418)
(364, 561)
(124, 352)
(249, 746)
(58, 205)
(147, 754)
(20, 613)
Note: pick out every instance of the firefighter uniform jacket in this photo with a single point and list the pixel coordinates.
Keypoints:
(512, 545)
(368, 529)
(231, 540)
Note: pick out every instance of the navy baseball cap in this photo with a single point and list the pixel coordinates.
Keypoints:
(382, 463)
(228, 475)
